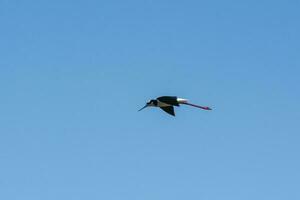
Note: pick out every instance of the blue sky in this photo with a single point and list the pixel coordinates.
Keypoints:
(74, 74)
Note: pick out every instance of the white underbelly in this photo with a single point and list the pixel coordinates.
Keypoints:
(161, 104)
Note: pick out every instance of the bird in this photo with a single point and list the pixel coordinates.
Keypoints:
(167, 103)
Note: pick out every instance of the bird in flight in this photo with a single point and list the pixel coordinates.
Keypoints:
(167, 103)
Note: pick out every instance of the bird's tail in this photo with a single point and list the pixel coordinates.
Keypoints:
(201, 107)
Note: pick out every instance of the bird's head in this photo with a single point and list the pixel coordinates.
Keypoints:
(151, 103)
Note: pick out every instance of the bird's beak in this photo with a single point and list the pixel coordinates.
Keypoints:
(143, 107)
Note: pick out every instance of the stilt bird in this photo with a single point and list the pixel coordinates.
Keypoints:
(167, 103)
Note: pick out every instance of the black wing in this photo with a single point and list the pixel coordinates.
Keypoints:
(169, 110)
(169, 100)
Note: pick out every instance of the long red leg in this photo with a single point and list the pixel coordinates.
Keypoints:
(202, 107)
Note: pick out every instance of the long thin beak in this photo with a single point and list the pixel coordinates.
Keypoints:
(143, 107)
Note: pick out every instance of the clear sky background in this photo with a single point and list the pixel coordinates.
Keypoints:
(74, 73)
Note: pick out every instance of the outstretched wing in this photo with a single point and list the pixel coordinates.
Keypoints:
(169, 110)
(169, 100)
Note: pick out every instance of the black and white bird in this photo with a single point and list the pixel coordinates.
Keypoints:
(167, 103)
